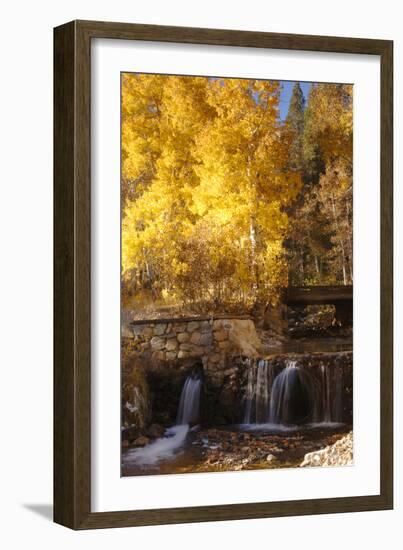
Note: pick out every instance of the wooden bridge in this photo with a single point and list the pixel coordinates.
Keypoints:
(311, 295)
(339, 296)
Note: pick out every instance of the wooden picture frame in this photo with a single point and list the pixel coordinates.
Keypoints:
(72, 270)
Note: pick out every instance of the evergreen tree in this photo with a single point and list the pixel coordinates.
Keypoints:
(295, 123)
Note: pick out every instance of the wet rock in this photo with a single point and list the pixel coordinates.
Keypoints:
(141, 441)
(155, 430)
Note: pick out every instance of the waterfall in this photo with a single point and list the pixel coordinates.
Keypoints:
(330, 406)
(250, 393)
(189, 404)
(260, 379)
(295, 396)
(292, 397)
(173, 441)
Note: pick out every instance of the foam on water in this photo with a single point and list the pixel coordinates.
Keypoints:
(161, 449)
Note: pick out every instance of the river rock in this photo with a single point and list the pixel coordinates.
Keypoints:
(205, 326)
(157, 343)
(192, 326)
(196, 350)
(127, 331)
(155, 430)
(141, 441)
(195, 338)
(338, 454)
(179, 327)
(206, 339)
(159, 329)
(171, 345)
(185, 347)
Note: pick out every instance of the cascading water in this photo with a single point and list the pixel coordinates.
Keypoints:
(167, 447)
(329, 408)
(189, 404)
(260, 379)
(293, 397)
(250, 393)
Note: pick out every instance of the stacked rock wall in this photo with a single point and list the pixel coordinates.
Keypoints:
(211, 340)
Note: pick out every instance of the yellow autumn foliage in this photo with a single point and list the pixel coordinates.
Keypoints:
(205, 186)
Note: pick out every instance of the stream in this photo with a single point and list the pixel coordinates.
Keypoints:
(287, 413)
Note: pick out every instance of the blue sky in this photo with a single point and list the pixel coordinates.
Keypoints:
(286, 92)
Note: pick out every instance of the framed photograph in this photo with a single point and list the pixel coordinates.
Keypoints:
(223, 275)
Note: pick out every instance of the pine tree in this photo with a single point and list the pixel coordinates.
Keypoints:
(319, 242)
(295, 123)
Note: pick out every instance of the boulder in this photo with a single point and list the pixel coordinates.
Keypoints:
(244, 338)
(155, 430)
(140, 441)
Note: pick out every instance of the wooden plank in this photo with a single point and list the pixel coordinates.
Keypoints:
(310, 295)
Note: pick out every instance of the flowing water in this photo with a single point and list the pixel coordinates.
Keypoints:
(260, 380)
(174, 439)
(189, 404)
(289, 410)
(293, 397)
